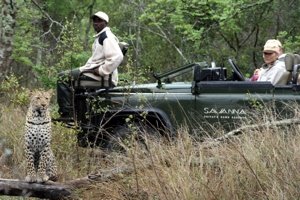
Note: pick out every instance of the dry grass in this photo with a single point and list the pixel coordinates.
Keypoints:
(262, 164)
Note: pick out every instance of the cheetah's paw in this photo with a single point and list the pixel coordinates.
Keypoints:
(42, 179)
(30, 179)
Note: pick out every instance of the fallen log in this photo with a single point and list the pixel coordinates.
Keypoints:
(14, 187)
(53, 190)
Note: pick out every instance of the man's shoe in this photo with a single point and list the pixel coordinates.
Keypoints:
(70, 124)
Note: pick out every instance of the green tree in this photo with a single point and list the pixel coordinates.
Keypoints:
(56, 35)
(7, 29)
(218, 29)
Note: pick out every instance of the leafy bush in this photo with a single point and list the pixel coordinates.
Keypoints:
(13, 92)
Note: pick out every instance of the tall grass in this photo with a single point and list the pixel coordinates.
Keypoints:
(261, 164)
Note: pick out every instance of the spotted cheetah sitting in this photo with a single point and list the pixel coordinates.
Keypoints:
(41, 165)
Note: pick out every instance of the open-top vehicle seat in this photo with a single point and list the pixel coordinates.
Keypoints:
(88, 84)
(291, 61)
(296, 68)
(85, 86)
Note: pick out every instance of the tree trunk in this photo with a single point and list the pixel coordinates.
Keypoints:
(7, 25)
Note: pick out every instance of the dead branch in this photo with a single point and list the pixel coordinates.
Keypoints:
(52, 190)
(248, 128)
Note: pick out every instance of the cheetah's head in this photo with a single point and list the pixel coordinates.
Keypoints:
(40, 100)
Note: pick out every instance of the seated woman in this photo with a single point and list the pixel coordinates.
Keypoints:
(274, 67)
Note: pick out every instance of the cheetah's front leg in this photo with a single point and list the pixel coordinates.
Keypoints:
(41, 173)
(31, 172)
(51, 168)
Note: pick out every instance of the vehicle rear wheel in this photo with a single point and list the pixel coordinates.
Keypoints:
(92, 138)
(125, 136)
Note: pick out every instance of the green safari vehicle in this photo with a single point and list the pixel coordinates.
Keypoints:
(200, 97)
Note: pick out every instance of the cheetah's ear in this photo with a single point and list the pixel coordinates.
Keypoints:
(50, 92)
(31, 92)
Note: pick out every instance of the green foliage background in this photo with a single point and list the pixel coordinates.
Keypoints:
(51, 36)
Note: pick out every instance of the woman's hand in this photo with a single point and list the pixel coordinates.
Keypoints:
(255, 75)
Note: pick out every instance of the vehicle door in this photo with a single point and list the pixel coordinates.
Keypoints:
(226, 105)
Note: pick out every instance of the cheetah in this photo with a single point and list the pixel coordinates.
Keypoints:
(41, 165)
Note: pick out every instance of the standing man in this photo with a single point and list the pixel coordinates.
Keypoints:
(106, 57)
(274, 66)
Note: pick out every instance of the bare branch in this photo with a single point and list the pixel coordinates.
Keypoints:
(170, 42)
(51, 24)
(227, 41)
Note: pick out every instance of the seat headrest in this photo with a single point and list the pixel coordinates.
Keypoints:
(124, 47)
(296, 59)
(289, 61)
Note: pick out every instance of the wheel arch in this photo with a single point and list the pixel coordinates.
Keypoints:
(154, 116)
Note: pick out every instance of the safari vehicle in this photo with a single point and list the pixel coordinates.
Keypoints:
(204, 98)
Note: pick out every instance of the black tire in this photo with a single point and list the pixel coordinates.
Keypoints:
(116, 140)
(126, 135)
(91, 139)
(82, 140)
